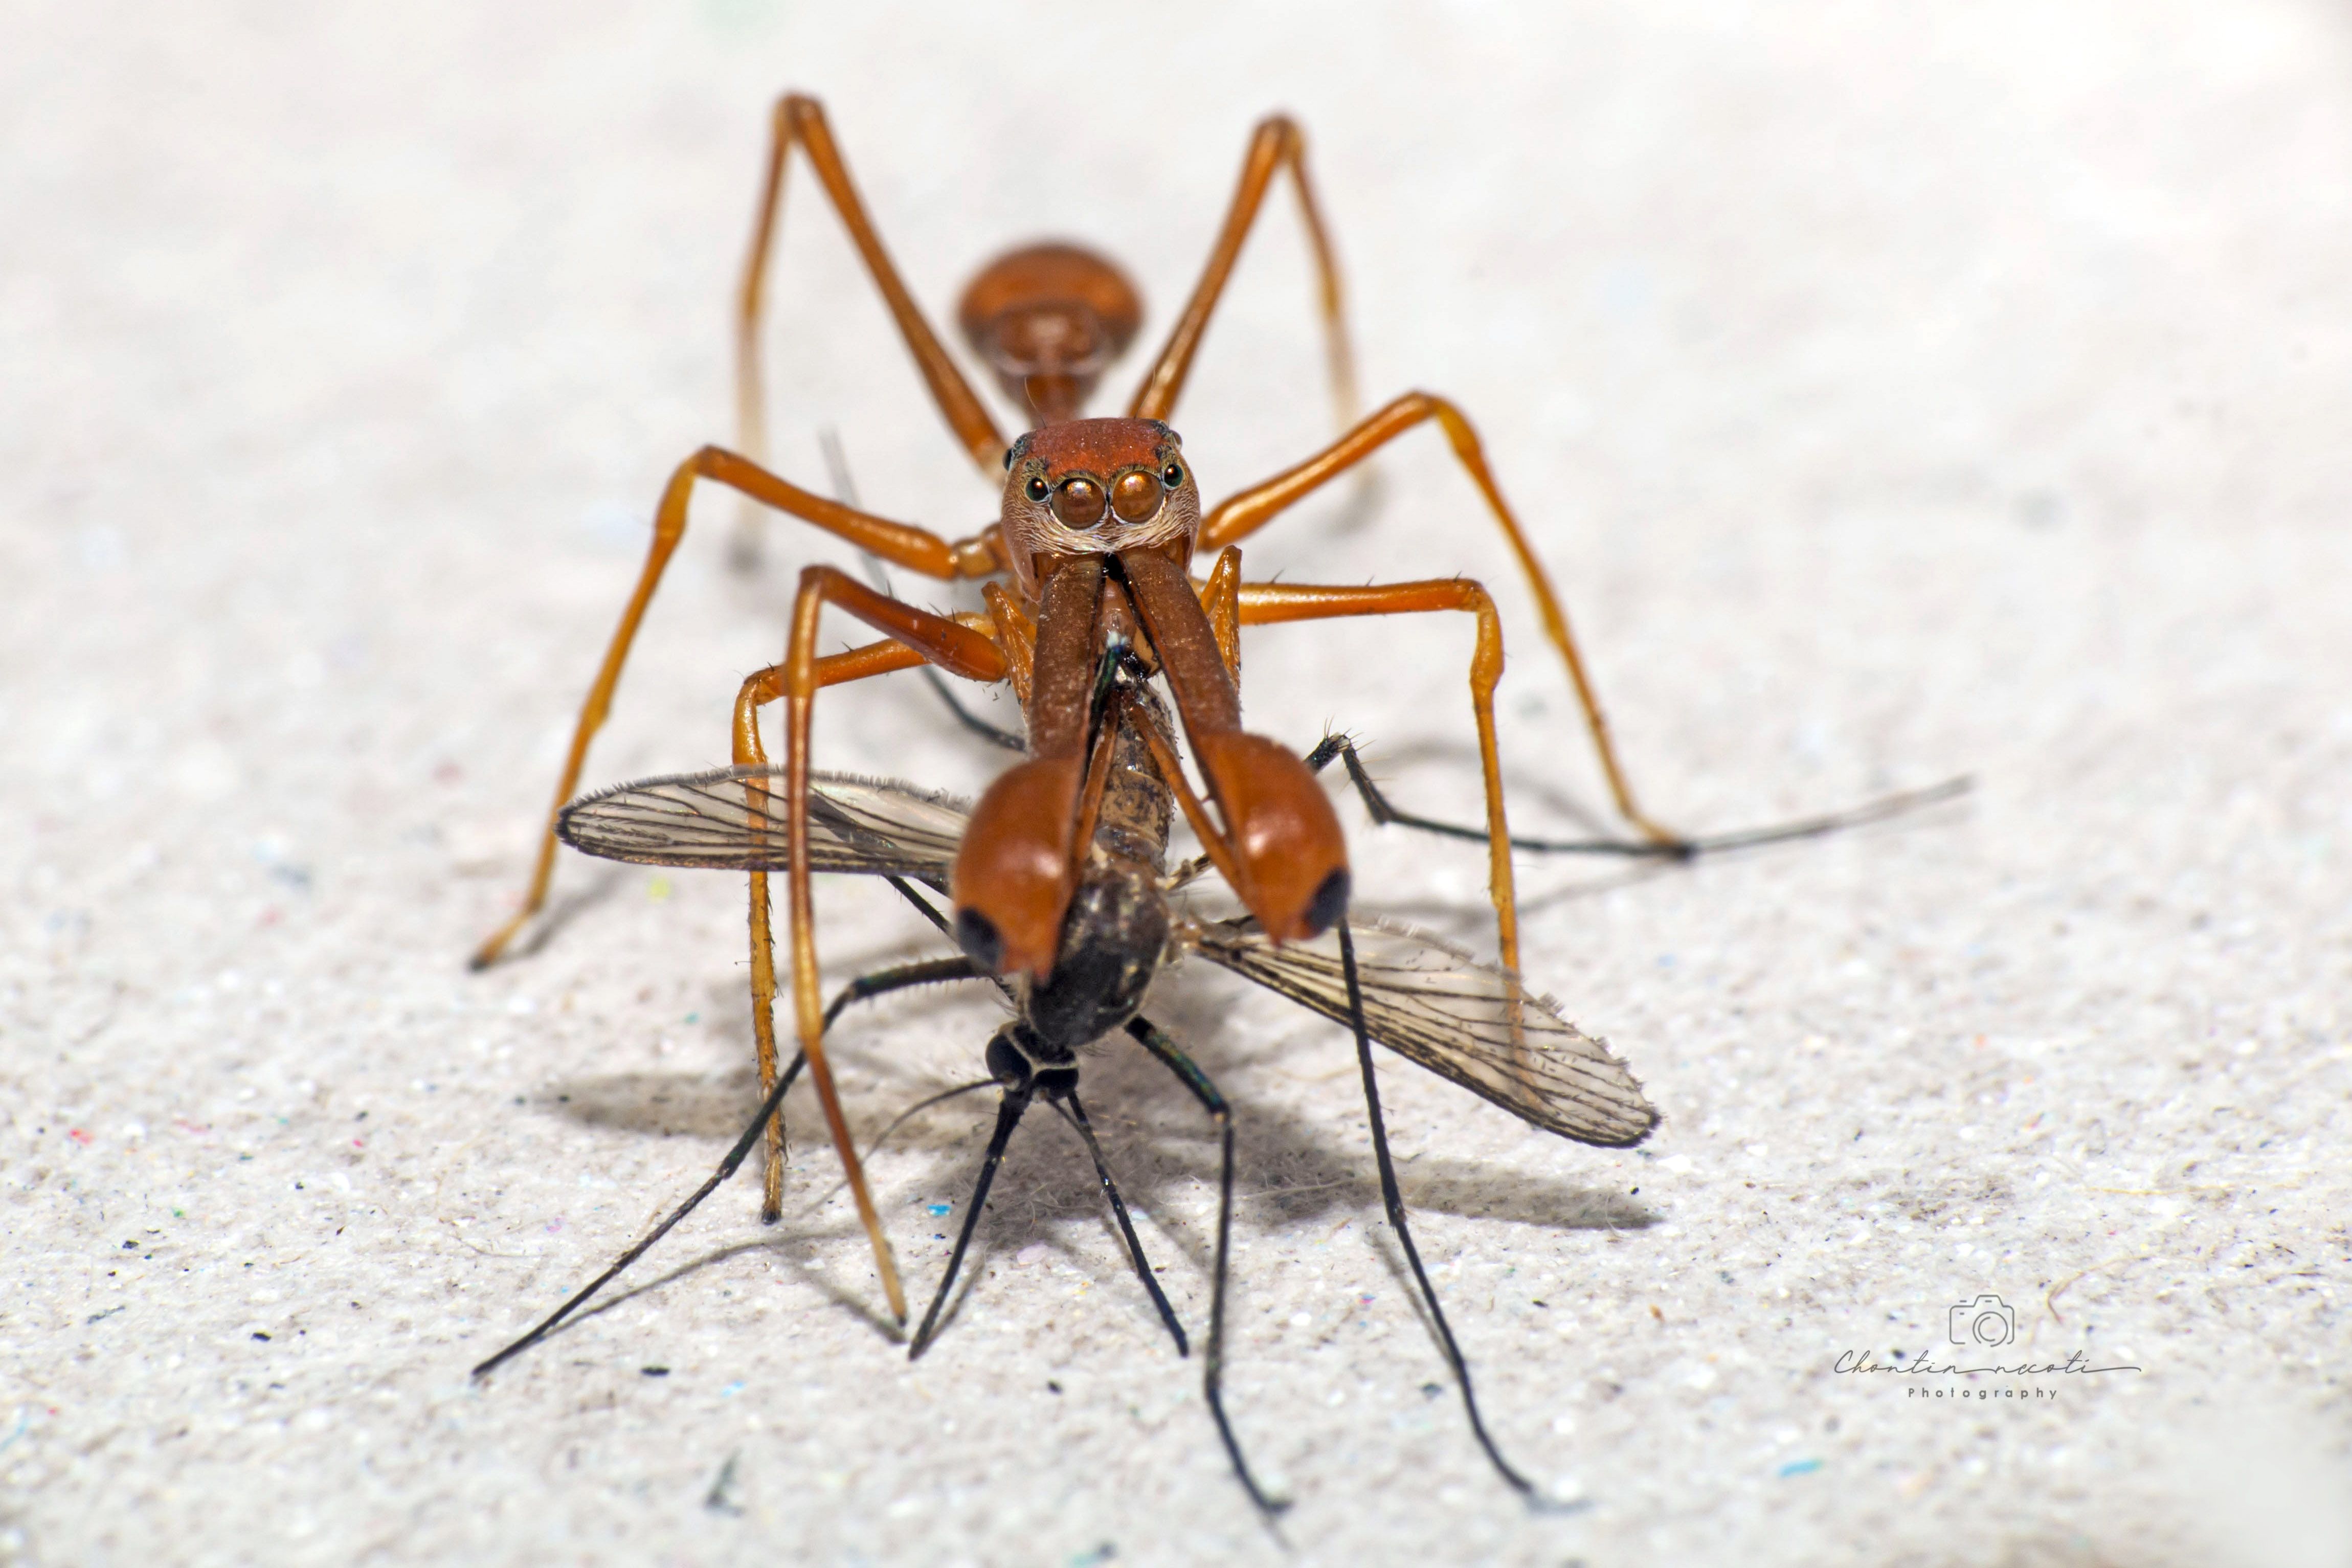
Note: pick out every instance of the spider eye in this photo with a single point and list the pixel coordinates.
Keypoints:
(1079, 503)
(1037, 490)
(1008, 460)
(1172, 475)
(1135, 496)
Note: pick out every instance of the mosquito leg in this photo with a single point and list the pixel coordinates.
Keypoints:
(899, 977)
(1393, 1200)
(1009, 1111)
(994, 734)
(1387, 812)
(769, 1109)
(1077, 1117)
(1213, 1361)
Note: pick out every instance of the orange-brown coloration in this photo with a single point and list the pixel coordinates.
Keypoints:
(1079, 502)
(801, 119)
(916, 549)
(1014, 869)
(1049, 464)
(1098, 519)
(1277, 144)
(1221, 597)
(1062, 675)
(1239, 516)
(1135, 496)
(1097, 446)
(1266, 603)
(1049, 320)
(1185, 641)
(1283, 832)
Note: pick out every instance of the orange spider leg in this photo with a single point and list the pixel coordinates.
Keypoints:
(801, 119)
(1264, 603)
(1240, 515)
(901, 544)
(1276, 145)
(1214, 842)
(954, 646)
(760, 688)
(1221, 596)
(1016, 634)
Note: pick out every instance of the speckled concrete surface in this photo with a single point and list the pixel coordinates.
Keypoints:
(1893, 396)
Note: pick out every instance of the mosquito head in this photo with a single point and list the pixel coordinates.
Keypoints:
(1097, 487)
(1020, 1060)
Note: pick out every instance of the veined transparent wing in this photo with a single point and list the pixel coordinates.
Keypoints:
(1480, 1026)
(733, 819)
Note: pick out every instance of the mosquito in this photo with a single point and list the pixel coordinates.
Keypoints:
(1437, 1006)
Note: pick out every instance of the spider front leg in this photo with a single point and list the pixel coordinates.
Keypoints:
(1243, 514)
(1264, 604)
(799, 120)
(915, 636)
(900, 543)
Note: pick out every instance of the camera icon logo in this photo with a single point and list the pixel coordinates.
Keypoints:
(1988, 1323)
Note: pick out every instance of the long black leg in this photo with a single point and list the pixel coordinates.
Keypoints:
(1387, 812)
(1008, 1117)
(1395, 1201)
(1214, 1363)
(929, 972)
(727, 1168)
(1077, 1116)
(902, 978)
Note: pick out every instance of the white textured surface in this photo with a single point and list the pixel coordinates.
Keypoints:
(1893, 396)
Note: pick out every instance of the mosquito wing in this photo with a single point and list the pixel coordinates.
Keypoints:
(733, 819)
(1462, 1019)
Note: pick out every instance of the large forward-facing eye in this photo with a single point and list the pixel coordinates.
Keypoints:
(1079, 502)
(1135, 496)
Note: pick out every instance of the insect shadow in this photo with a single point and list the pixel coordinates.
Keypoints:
(1304, 1170)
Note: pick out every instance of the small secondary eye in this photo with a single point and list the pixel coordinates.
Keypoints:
(1008, 460)
(1172, 475)
(1037, 490)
